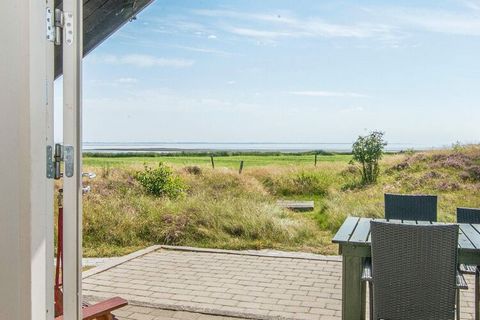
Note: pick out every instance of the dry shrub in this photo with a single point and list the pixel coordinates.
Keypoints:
(472, 173)
(195, 170)
(224, 182)
(299, 182)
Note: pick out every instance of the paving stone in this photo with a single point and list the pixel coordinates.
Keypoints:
(225, 285)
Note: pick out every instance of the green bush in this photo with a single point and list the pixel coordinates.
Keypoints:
(160, 181)
(368, 151)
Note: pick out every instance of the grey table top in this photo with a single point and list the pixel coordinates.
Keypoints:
(356, 231)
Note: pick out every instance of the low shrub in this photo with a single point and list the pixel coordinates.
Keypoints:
(299, 183)
(472, 173)
(160, 181)
(195, 170)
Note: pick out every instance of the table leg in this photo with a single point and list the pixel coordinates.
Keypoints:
(477, 294)
(353, 291)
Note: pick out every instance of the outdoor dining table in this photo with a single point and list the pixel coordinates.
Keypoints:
(354, 240)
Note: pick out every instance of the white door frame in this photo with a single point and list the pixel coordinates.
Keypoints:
(50, 207)
(72, 136)
(26, 195)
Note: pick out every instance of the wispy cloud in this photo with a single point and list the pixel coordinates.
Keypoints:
(472, 4)
(443, 22)
(179, 24)
(204, 50)
(143, 61)
(328, 94)
(464, 20)
(127, 80)
(218, 13)
(284, 24)
(258, 33)
(352, 110)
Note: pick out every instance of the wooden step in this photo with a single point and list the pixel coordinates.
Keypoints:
(296, 205)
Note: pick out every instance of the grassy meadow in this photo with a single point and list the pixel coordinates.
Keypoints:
(220, 208)
(226, 161)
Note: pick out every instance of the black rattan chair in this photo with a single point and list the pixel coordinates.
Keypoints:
(402, 282)
(470, 215)
(411, 207)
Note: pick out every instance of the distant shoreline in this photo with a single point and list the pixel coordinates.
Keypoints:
(166, 152)
(200, 150)
(236, 147)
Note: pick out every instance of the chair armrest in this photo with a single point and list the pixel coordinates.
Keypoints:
(461, 282)
(367, 271)
(101, 309)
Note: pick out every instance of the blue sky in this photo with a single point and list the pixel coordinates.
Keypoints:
(288, 71)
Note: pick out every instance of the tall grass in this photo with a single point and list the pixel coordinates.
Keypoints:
(223, 209)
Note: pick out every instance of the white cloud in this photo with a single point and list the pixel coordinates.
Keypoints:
(444, 22)
(179, 24)
(465, 21)
(143, 60)
(212, 36)
(472, 4)
(352, 110)
(127, 80)
(204, 50)
(284, 24)
(328, 94)
(277, 16)
(259, 33)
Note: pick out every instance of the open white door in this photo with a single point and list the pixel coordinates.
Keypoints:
(72, 174)
(26, 131)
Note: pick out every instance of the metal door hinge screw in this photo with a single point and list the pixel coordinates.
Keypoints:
(55, 158)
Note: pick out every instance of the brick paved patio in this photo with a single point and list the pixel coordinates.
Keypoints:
(148, 313)
(204, 283)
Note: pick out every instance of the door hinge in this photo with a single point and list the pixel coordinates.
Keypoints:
(55, 158)
(55, 23)
(50, 21)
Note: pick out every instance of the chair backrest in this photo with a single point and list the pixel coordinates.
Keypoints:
(411, 207)
(468, 215)
(414, 270)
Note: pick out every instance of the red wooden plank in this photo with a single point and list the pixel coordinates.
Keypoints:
(101, 309)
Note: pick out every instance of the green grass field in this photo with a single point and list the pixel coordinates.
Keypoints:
(220, 161)
(220, 208)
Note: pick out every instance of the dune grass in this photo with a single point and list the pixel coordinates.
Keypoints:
(223, 209)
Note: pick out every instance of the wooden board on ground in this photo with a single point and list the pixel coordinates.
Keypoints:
(296, 205)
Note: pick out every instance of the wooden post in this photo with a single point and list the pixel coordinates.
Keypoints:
(477, 291)
(241, 167)
(213, 162)
(315, 159)
(353, 290)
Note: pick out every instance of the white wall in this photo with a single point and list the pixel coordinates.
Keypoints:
(24, 195)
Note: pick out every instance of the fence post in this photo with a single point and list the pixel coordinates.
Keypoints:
(241, 167)
(213, 162)
(315, 159)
